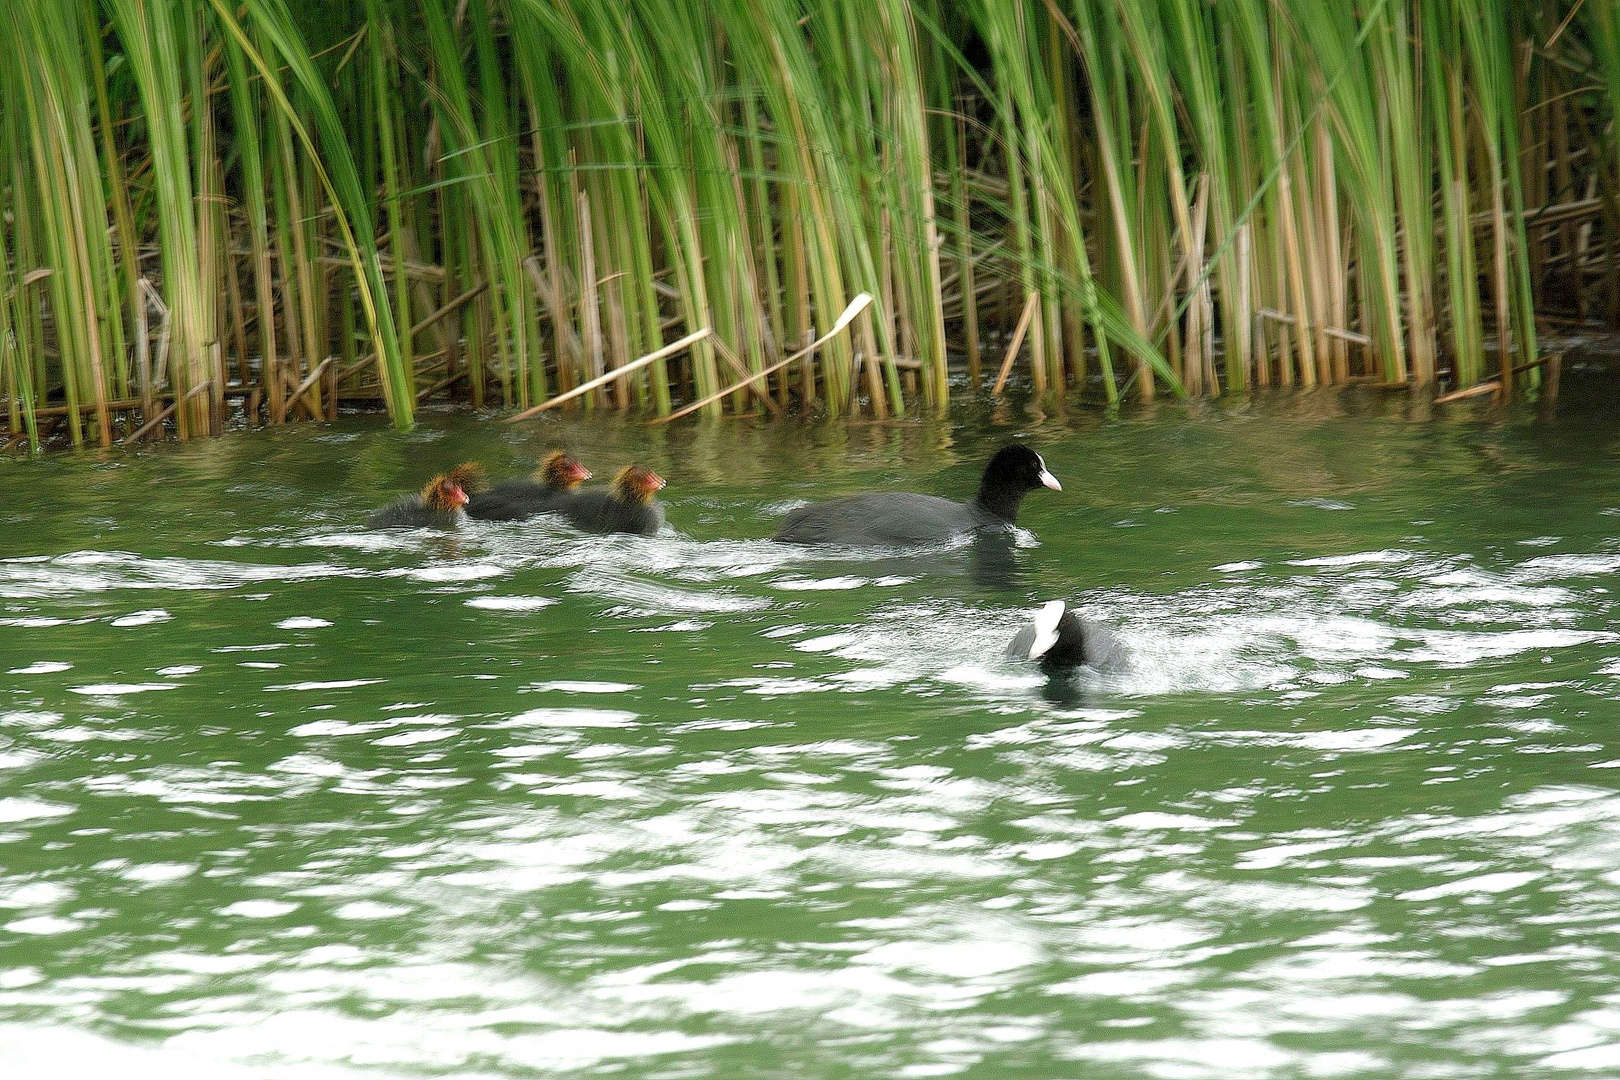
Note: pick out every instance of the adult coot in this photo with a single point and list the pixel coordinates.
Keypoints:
(1063, 641)
(514, 500)
(630, 507)
(903, 517)
(438, 506)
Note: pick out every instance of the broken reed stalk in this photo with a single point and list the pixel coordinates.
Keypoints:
(748, 381)
(602, 380)
(1492, 387)
(855, 307)
(308, 383)
(1016, 342)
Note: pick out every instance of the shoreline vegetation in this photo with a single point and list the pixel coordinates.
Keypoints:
(261, 210)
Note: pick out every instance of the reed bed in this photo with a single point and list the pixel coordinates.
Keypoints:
(268, 209)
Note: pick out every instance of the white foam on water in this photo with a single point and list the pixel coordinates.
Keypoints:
(330, 684)
(1363, 558)
(576, 686)
(14, 809)
(842, 583)
(413, 738)
(143, 618)
(1481, 883)
(43, 925)
(510, 603)
(450, 574)
(260, 909)
(655, 597)
(572, 718)
(104, 571)
(41, 667)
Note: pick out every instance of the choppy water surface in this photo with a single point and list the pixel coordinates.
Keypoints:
(282, 798)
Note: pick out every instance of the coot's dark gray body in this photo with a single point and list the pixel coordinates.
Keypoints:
(594, 511)
(902, 518)
(898, 518)
(515, 500)
(409, 513)
(1062, 641)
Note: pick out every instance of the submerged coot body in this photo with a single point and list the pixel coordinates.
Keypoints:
(514, 500)
(1062, 641)
(902, 517)
(437, 507)
(630, 507)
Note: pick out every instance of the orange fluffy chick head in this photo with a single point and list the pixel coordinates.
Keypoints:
(450, 490)
(636, 484)
(562, 471)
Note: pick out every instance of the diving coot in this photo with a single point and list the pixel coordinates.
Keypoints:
(1063, 641)
(903, 517)
(514, 500)
(438, 506)
(632, 506)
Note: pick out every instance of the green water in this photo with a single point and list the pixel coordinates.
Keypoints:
(281, 798)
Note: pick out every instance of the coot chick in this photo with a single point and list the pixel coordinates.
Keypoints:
(1063, 641)
(630, 507)
(902, 517)
(438, 506)
(513, 500)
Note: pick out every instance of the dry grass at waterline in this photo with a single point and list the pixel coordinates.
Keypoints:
(271, 209)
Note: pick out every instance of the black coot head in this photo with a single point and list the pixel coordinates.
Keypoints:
(1016, 469)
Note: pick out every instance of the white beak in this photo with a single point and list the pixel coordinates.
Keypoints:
(1046, 624)
(1050, 481)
